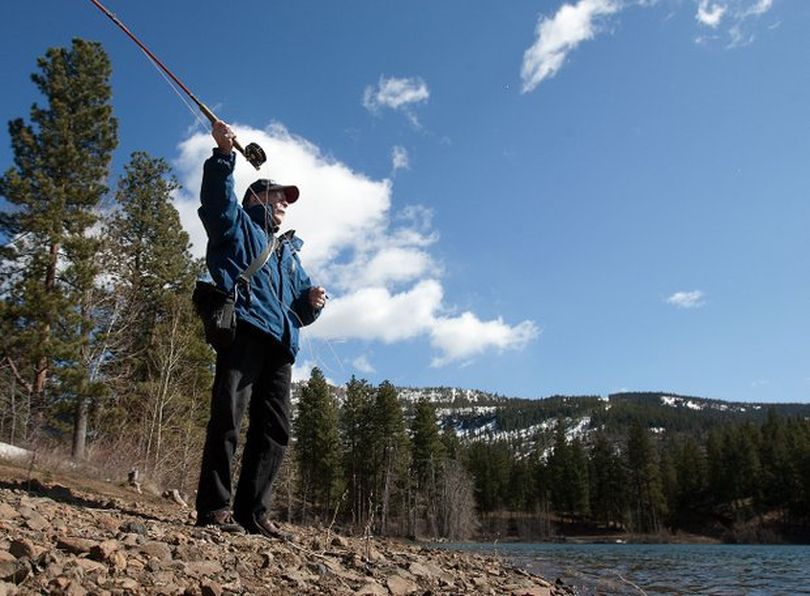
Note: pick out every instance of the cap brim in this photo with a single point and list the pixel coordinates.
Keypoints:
(291, 192)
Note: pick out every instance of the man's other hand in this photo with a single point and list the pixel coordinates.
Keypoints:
(317, 298)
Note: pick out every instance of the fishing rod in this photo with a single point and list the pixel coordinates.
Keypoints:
(252, 152)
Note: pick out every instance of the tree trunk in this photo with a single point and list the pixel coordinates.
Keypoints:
(43, 364)
(80, 428)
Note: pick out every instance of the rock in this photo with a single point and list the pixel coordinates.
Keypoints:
(74, 588)
(15, 571)
(481, 584)
(399, 585)
(107, 522)
(533, 591)
(118, 561)
(373, 555)
(6, 556)
(133, 539)
(25, 548)
(103, 551)
(7, 589)
(158, 550)
(372, 589)
(58, 584)
(8, 512)
(135, 565)
(49, 561)
(198, 568)
(294, 576)
(424, 570)
(132, 527)
(91, 566)
(73, 545)
(189, 552)
(33, 520)
(127, 583)
(210, 588)
(339, 541)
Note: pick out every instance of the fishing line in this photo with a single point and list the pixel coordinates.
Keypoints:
(252, 152)
(198, 119)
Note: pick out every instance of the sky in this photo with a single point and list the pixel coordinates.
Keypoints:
(528, 198)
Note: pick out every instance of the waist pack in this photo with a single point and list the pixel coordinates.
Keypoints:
(217, 308)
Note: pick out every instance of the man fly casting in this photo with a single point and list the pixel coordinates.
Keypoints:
(254, 371)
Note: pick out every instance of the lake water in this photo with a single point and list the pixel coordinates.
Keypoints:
(663, 568)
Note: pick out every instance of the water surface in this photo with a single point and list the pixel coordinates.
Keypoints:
(663, 568)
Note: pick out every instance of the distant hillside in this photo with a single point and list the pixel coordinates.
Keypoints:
(482, 416)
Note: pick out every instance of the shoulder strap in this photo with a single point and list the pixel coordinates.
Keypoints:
(258, 262)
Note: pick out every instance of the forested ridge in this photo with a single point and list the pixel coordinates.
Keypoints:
(103, 361)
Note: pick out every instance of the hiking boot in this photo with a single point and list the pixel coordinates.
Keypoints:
(221, 520)
(269, 529)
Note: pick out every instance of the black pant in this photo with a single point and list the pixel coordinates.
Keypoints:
(256, 369)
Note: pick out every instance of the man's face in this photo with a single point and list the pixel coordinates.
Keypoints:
(276, 198)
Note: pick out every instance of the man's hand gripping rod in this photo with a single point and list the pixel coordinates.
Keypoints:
(252, 152)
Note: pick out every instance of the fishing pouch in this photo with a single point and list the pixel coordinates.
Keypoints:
(217, 309)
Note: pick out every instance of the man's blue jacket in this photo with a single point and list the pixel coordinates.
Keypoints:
(278, 302)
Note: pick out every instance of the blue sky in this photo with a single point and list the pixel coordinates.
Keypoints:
(526, 197)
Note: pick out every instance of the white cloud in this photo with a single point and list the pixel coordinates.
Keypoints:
(362, 364)
(758, 9)
(709, 13)
(573, 23)
(692, 299)
(374, 313)
(375, 262)
(396, 94)
(302, 371)
(557, 36)
(400, 159)
(738, 14)
(466, 336)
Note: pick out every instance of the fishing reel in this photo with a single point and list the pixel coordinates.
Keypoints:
(254, 154)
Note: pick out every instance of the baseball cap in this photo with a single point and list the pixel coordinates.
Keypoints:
(264, 184)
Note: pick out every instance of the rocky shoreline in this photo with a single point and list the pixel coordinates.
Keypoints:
(76, 538)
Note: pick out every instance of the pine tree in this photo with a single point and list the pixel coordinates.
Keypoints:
(61, 161)
(427, 457)
(389, 451)
(648, 505)
(159, 364)
(317, 445)
(427, 449)
(579, 499)
(149, 253)
(774, 458)
(489, 464)
(559, 467)
(356, 437)
(607, 486)
(691, 470)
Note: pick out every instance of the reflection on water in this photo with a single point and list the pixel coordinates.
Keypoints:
(664, 568)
